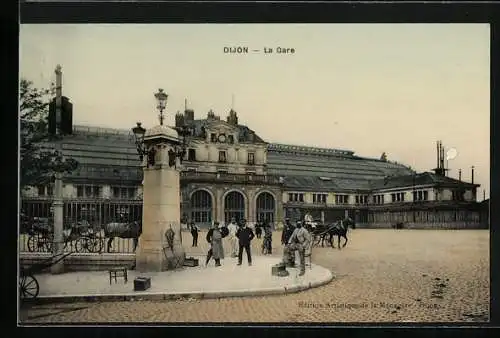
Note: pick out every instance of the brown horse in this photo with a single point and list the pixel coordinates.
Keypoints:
(123, 230)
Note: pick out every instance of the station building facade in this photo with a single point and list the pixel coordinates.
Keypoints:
(230, 172)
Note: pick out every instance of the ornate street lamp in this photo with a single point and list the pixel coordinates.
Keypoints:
(183, 132)
(139, 133)
(161, 97)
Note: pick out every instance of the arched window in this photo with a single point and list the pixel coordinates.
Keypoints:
(234, 206)
(201, 207)
(265, 206)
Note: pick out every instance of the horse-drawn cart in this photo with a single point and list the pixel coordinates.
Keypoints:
(28, 284)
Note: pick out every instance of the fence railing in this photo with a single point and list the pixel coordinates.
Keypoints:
(83, 223)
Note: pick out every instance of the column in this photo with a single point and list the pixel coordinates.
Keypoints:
(58, 244)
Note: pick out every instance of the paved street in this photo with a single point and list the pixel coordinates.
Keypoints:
(380, 276)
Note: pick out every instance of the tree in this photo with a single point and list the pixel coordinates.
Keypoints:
(38, 162)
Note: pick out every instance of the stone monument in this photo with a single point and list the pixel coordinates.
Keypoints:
(161, 202)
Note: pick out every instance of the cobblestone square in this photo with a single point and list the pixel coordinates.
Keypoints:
(382, 275)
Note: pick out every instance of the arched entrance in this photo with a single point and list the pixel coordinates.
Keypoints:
(234, 206)
(265, 206)
(201, 207)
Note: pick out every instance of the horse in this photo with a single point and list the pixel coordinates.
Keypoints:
(338, 229)
(123, 230)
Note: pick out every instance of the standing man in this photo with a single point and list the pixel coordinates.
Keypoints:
(245, 236)
(194, 233)
(287, 231)
(233, 240)
(299, 241)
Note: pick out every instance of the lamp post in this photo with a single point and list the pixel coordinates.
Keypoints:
(58, 203)
(161, 97)
(159, 147)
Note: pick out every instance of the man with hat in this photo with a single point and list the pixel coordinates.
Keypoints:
(299, 241)
(214, 237)
(245, 236)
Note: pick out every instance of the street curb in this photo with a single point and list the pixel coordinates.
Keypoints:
(169, 296)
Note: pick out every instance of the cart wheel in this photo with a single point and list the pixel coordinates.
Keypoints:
(28, 287)
(88, 244)
(81, 245)
(37, 243)
(32, 243)
(94, 244)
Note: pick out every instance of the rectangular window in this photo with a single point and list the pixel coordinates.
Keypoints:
(319, 198)
(230, 139)
(191, 155)
(79, 191)
(222, 156)
(97, 192)
(251, 158)
(116, 192)
(296, 197)
(341, 199)
(213, 137)
(426, 195)
(50, 190)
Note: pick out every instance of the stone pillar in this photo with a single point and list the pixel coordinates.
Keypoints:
(219, 200)
(323, 216)
(251, 207)
(58, 243)
(161, 206)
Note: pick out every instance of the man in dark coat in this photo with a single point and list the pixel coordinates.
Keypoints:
(245, 236)
(287, 231)
(194, 233)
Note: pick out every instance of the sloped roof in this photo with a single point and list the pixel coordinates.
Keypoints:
(340, 166)
(426, 178)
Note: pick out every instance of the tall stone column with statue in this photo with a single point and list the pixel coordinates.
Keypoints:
(161, 151)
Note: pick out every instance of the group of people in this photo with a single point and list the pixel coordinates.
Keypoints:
(294, 238)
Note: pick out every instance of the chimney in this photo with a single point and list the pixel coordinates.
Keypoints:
(459, 174)
(438, 154)
(442, 157)
(472, 175)
(210, 115)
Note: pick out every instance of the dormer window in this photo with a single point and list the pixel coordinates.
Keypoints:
(213, 137)
(230, 139)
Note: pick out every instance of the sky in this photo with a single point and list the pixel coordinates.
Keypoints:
(369, 88)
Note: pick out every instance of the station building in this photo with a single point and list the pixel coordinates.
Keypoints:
(229, 171)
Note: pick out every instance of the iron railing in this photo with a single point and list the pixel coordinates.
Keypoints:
(83, 218)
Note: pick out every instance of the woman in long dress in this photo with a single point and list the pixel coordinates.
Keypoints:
(214, 237)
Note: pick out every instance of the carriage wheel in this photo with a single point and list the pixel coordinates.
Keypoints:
(37, 243)
(94, 244)
(28, 287)
(81, 245)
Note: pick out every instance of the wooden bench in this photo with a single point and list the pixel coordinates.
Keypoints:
(118, 272)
